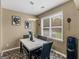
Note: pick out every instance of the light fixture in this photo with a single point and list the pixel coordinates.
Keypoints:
(32, 19)
(31, 2)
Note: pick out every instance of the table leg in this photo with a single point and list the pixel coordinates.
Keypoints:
(30, 55)
(21, 50)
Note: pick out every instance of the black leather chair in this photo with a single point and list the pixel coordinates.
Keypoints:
(44, 52)
(25, 36)
(41, 37)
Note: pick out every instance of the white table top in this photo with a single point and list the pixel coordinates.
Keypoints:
(32, 45)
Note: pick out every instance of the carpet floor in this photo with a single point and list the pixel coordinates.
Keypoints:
(15, 54)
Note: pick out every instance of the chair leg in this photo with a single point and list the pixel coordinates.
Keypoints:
(35, 57)
(48, 57)
(38, 57)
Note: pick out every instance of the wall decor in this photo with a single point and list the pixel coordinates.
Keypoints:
(69, 21)
(16, 20)
(28, 24)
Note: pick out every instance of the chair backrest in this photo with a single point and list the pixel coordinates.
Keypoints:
(42, 37)
(25, 36)
(39, 36)
(46, 50)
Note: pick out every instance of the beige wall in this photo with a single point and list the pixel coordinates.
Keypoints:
(12, 34)
(0, 28)
(69, 10)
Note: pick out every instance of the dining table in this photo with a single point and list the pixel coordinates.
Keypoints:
(31, 46)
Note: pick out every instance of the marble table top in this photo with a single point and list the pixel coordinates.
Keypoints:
(32, 45)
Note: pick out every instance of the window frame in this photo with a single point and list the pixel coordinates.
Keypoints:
(50, 26)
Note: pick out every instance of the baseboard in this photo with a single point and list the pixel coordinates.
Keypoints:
(9, 50)
(59, 53)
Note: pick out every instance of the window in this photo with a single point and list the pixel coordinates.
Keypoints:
(52, 26)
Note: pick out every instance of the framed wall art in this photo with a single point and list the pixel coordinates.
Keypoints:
(28, 24)
(16, 20)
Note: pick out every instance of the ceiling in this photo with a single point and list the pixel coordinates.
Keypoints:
(34, 7)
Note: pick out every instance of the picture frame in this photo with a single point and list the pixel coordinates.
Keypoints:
(28, 24)
(16, 20)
